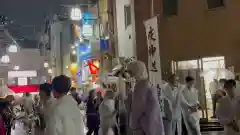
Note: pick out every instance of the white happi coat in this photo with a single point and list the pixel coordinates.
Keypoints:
(107, 119)
(227, 111)
(18, 129)
(173, 95)
(191, 119)
(66, 118)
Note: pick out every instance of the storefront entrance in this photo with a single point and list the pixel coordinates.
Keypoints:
(194, 68)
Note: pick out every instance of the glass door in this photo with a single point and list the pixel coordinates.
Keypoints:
(211, 63)
(192, 68)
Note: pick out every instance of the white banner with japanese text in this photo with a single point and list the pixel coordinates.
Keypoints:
(154, 65)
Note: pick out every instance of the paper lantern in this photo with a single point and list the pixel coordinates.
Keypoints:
(73, 68)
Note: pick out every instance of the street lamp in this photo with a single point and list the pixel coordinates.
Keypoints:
(76, 14)
(5, 59)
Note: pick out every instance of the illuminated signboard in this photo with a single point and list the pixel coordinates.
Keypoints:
(87, 24)
(87, 30)
(93, 68)
(13, 74)
(87, 18)
(22, 81)
(84, 51)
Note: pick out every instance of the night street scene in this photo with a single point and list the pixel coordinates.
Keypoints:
(119, 67)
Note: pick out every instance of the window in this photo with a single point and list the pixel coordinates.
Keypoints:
(215, 3)
(127, 13)
(170, 7)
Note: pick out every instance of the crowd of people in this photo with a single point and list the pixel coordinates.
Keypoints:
(181, 107)
(56, 111)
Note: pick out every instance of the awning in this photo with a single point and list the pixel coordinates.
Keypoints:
(23, 89)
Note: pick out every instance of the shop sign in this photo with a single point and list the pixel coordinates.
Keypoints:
(93, 68)
(87, 30)
(22, 81)
(84, 51)
(87, 18)
(104, 45)
(77, 31)
(13, 74)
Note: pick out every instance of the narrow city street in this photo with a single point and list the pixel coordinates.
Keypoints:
(151, 66)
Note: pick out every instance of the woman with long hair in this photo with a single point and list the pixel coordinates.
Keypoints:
(93, 120)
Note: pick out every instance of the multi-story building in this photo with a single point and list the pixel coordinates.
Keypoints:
(61, 40)
(125, 22)
(193, 36)
(190, 30)
(20, 59)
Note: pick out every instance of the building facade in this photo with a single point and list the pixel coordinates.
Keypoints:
(125, 28)
(190, 30)
(203, 34)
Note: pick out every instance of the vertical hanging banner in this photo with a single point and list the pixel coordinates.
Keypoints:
(154, 65)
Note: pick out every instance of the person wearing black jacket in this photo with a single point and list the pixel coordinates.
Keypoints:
(6, 115)
(93, 118)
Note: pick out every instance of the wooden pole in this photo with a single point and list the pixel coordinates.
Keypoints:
(152, 8)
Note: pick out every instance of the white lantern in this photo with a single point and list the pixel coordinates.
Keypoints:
(13, 48)
(50, 71)
(76, 14)
(5, 59)
(46, 64)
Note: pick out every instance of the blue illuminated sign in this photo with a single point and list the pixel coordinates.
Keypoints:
(87, 18)
(84, 51)
(104, 45)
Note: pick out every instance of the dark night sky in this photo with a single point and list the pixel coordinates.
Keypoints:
(28, 12)
(31, 12)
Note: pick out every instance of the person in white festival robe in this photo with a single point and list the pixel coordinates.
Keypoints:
(66, 117)
(171, 91)
(28, 103)
(146, 117)
(190, 105)
(107, 114)
(228, 110)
